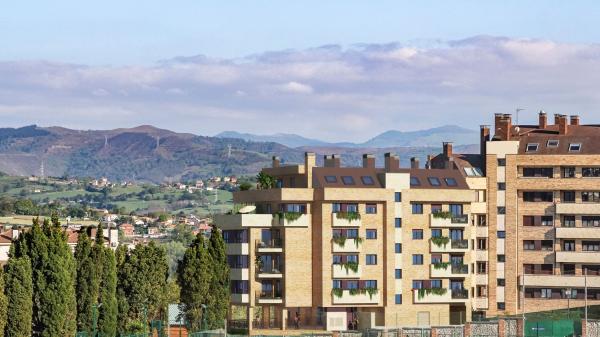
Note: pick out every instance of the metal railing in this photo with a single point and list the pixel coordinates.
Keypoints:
(272, 243)
(460, 293)
(459, 244)
(460, 219)
(460, 269)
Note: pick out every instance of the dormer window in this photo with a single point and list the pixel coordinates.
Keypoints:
(574, 147)
(552, 143)
(434, 181)
(532, 147)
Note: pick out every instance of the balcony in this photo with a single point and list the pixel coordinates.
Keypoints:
(556, 280)
(268, 297)
(577, 208)
(340, 271)
(275, 271)
(269, 246)
(447, 270)
(444, 219)
(578, 232)
(291, 219)
(577, 257)
(346, 297)
(437, 245)
(240, 298)
(350, 245)
(233, 221)
(343, 219)
(440, 295)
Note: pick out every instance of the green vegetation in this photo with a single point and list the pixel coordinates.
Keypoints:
(350, 216)
(422, 292)
(3, 304)
(288, 216)
(265, 181)
(350, 265)
(440, 241)
(218, 290)
(337, 292)
(442, 215)
(19, 290)
(441, 265)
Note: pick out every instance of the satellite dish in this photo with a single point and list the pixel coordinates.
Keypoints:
(517, 129)
(247, 209)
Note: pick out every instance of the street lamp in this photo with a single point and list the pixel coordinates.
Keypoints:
(203, 316)
(568, 293)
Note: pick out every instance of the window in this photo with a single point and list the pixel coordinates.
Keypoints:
(349, 208)
(371, 259)
(398, 274)
(500, 305)
(435, 208)
(481, 267)
(528, 220)
(371, 208)
(433, 181)
(501, 258)
(481, 291)
(547, 220)
(371, 234)
(450, 181)
(239, 287)
(568, 196)
(398, 196)
(569, 293)
(589, 196)
(337, 284)
(501, 161)
(436, 258)
(528, 245)
(589, 172)
(538, 172)
(436, 233)
(398, 248)
(590, 221)
(371, 284)
(568, 269)
(501, 186)
(367, 180)
(501, 210)
(417, 284)
(547, 245)
(436, 283)
(417, 208)
(590, 246)
(417, 259)
(456, 209)
(532, 147)
(568, 221)
(546, 293)
(417, 234)
(501, 234)
(552, 143)
(500, 282)
(538, 196)
(481, 244)
(574, 147)
(568, 172)
(331, 179)
(398, 222)
(568, 245)
(348, 180)
(398, 298)
(414, 181)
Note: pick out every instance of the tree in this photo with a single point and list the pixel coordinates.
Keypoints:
(182, 233)
(87, 284)
(3, 303)
(265, 181)
(193, 276)
(218, 291)
(107, 313)
(19, 289)
(175, 251)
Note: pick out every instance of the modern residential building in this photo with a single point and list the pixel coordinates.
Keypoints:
(335, 247)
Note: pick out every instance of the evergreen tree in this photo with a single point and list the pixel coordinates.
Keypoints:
(121, 256)
(87, 285)
(19, 289)
(3, 303)
(193, 276)
(107, 313)
(218, 291)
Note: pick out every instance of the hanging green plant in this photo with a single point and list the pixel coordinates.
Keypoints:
(371, 291)
(339, 240)
(442, 215)
(422, 292)
(258, 262)
(337, 292)
(350, 265)
(440, 241)
(350, 216)
(288, 216)
(441, 265)
(355, 291)
(358, 240)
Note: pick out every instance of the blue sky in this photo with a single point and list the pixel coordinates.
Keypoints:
(335, 70)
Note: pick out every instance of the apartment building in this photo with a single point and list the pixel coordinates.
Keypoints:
(543, 214)
(340, 248)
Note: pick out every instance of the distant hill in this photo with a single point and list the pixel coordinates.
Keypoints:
(421, 138)
(146, 153)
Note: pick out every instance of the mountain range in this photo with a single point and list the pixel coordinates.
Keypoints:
(147, 153)
(392, 138)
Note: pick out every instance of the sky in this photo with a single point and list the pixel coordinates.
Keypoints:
(334, 70)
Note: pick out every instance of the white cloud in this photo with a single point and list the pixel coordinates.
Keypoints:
(330, 91)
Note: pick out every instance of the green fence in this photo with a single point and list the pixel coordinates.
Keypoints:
(552, 328)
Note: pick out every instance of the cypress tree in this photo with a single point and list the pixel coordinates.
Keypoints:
(107, 313)
(86, 287)
(218, 292)
(3, 303)
(121, 256)
(19, 289)
(193, 276)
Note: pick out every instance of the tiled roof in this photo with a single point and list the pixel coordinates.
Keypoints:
(586, 135)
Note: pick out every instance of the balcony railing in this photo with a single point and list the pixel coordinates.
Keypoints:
(274, 269)
(268, 294)
(459, 244)
(460, 293)
(272, 243)
(461, 219)
(460, 269)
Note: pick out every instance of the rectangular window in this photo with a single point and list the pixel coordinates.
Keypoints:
(414, 181)
(417, 234)
(568, 221)
(417, 259)
(331, 179)
(398, 298)
(501, 186)
(417, 284)
(574, 147)
(501, 161)
(481, 267)
(337, 284)
(501, 282)
(538, 172)
(568, 245)
(590, 221)
(434, 181)
(546, 293)
(532, 147)
(547, 220)
(367, 180)
(398, 196)
(347, 180)
(568, 196)
(371, 208)
(547, 245)
(436, 284)
(398, 248)
(501, 234)
(371, 284)
(552, 143)
(590, 172)
(456, 209)
(436, 208)
(538, 196)
(501, 258)
(568, 171)
(398, 274)
(590, 246)
(501, 210)
(481, 244)
(371, 234)
(568, 269)
(450, 181)
(436, 233)
(528, 245)
(500, 306)
(398, 222)
(371, 259)
(590, 196)
(417, 208)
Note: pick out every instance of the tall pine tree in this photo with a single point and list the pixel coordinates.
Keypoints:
(3, 303)
(19, 290)
(107, 313)
(87, 285)
(193, 276)
(218, 291)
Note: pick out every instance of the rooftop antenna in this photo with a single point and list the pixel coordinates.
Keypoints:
(517, 110)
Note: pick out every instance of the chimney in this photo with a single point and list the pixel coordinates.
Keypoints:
(328, 160)
(414, 162)
(333, 160)
(503, 126)
(543, 120)
(447, 149)
(556, 118)
(562, 125)
(392, 162)
(310, 161)
(276, 161)
(574, 120)
(368, 161)
(428, 163)
(484, 137)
